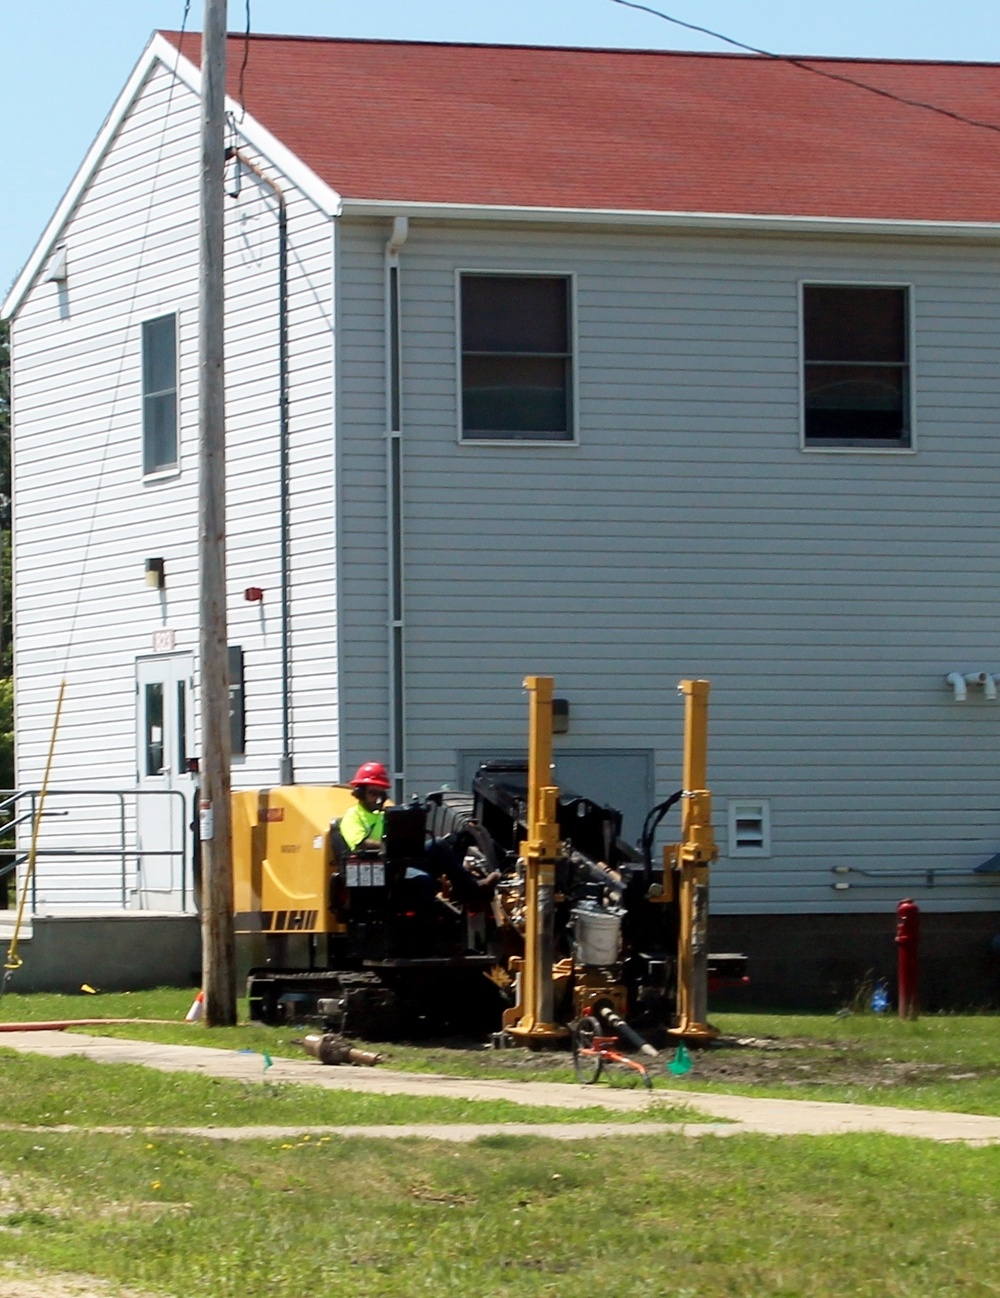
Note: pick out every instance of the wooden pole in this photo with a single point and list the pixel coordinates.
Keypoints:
(218, 948)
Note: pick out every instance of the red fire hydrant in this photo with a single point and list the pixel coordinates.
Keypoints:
(908, 941)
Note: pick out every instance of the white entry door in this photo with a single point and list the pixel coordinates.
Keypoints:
(165, 787)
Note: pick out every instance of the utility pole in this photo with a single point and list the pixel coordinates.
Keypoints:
(218, 947)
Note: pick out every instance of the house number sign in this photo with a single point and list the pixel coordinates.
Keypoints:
(164, 641)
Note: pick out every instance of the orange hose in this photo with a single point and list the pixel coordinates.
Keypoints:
(58, 1025)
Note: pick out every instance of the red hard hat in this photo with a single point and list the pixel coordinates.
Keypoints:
(373, 774)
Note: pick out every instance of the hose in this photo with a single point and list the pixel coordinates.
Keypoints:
(608, 1016)
(59, 1025)
(650, 826)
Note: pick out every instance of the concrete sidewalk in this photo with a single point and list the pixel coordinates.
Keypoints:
(741, 1113)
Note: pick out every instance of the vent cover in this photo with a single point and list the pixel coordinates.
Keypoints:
(749, 827)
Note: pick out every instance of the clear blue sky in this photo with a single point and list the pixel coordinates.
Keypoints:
(62, 62)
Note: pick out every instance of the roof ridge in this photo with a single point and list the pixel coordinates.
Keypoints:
(840, 59)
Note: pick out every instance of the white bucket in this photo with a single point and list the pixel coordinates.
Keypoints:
(598, 935)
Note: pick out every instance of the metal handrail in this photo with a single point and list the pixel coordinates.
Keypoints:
(12, 801)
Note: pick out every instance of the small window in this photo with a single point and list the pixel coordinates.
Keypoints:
(856, 376)
(159, 394)
(516, 358)
(749, 828)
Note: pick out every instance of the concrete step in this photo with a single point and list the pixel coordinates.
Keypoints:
(8, 923)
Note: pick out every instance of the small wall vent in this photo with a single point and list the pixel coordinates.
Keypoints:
(749, 827)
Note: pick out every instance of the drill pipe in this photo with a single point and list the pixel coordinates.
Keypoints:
(331, 1048)
(617, 1024)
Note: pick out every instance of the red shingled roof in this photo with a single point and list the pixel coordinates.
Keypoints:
(622, 129)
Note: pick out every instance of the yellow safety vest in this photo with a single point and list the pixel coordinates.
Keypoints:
(357, 824)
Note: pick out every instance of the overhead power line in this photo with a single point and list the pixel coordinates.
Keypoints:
(243, 64)
(811, 67)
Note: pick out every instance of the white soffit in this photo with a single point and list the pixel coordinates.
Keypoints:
(161, 51)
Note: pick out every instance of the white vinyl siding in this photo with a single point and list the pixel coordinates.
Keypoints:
(83, 528)
(824, 597)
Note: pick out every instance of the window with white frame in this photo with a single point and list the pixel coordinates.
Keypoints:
(159, 394)
(517, 358)
(856, 366)
(749, 827)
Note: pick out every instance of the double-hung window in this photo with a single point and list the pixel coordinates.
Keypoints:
(856, 371)
(159, 394)
(517, 358)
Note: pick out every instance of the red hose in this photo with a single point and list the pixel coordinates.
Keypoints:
(58, 1025)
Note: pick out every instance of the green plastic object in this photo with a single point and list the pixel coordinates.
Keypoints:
(681, 1062)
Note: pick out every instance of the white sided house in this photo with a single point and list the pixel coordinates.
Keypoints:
(616, 366)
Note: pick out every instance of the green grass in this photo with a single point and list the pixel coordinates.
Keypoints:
(75, 1091)
(966, 1039)
(507, 1217)
(942, 1062)
(171, 1005)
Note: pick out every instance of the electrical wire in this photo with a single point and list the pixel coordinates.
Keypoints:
(243, 65)
(811, 67)
(82, 569)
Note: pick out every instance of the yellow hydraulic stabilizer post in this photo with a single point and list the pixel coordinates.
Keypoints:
(694, 855)
(530, 1020)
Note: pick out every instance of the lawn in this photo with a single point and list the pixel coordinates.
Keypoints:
(506, 1217)
(81, 1092)
(947, 1062)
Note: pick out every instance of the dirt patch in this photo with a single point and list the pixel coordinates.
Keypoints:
(15, 1285)
(749, 1061)
(763, 1061)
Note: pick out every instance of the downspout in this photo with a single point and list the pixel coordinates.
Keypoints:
(394, 508)
(286, 767)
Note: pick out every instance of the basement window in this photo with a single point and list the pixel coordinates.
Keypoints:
(749, 827)
(517, 363)
(856, 367)
(159, 394)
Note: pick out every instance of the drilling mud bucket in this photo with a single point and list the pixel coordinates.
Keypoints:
(598, 935)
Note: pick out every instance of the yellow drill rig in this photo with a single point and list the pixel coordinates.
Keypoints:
(565, 921)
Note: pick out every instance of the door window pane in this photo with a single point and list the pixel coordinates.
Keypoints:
(182, 754)
(153, 742)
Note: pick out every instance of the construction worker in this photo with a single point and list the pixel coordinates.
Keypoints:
(363, 828)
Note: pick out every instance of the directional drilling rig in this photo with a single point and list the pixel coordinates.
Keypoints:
(567, 920)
